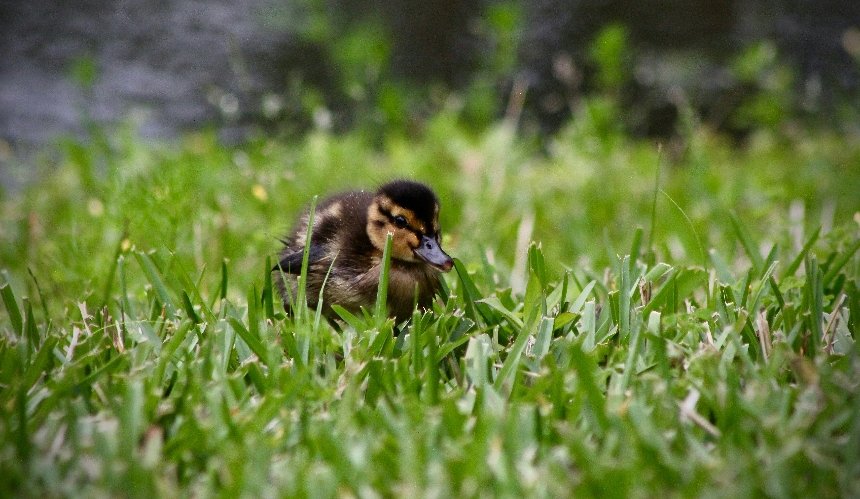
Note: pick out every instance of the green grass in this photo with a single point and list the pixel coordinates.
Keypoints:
(683, 325)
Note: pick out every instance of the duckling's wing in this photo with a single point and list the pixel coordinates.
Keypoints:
(292, 262)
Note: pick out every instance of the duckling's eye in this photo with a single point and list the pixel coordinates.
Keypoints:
(400, 221)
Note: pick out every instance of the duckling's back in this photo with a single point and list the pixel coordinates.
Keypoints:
(339, 249)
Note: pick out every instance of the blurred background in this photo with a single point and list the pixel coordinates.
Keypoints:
(283, 67)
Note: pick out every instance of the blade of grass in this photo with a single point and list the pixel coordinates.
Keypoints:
(589, 326)
(624, 299)
(799, 259)
(504, 380)
(169, 349)
(222, 291)
(720, 265)
(128, 307)
(690, 225)
(633, 351)
(652, 227)
(42, 300)
(155, 279)
(543, 338)
(301, 309)
(42, 363)
(747, 243)
(381, 311)
(815, 300)
(471, 295)
(189, 308)
(577, 304)
(765, 283)
(494, 303)
(318, 313)
(680, 283)
(30, 328)
(112, 271)
(587, 370)
(268, 290)
(251, 340)
(353, 320)
(839, 263)
(12, 307)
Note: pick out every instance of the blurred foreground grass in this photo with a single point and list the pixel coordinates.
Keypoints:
(716, 358)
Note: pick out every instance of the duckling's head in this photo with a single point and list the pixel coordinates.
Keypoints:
(409, 211)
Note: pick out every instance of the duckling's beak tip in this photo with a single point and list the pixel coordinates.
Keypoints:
(430, 252)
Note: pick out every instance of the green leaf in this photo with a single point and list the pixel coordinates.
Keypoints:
(471, 295)
(839, 263)
(722, 268)
(348, 317)
(814, 298)
(624, 299)
(169, 349)
(587, 370)
(681, 283)
(477, 359)
(765, 283)
(250, 339)
(563, 319)
(795, 264)
(505, 377)
(747, 243)
(268, 290)
(543, 338)
(156, 280)
(495, 304)
(382, 291)
(189, 308)
(12, 308)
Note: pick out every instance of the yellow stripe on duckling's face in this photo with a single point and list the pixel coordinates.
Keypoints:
(382, 217)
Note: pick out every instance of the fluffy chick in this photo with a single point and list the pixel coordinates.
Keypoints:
(347, 240)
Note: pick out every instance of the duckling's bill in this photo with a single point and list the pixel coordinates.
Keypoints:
(430, 251)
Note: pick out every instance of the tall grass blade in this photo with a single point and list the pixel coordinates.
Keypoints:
(586, 368)
(471, 295)
(765, 283)
(578, 303)
(505, 377)
(815, 300)
(157, 282)
(624, 299)
(112, 270)
(12, 308)
(381, 311)
(747, 242)
(42, 301)
(300, 311)
(799, 259)
(680, 283)
(839, 263)
(268, 290)
(633, 353)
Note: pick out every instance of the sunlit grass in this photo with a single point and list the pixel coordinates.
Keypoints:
(684, 322)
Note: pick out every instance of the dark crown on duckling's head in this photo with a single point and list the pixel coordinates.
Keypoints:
(409, 211)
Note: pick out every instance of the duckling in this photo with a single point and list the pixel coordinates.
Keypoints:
(347, 241)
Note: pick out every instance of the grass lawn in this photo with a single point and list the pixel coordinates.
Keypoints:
(624, 319)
